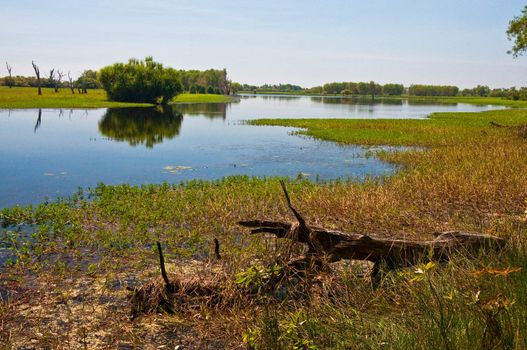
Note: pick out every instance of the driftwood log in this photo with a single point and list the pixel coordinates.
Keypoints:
(324, 246)
(330, 246)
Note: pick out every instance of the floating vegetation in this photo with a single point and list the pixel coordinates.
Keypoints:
(176, 169)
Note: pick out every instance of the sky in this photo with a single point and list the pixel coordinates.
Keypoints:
(304, 42)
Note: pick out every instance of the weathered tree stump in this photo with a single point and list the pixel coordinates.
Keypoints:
(168, 294)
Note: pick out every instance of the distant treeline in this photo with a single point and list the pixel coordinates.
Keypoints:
(512, 93)
(373, 88)
(87, 80)
(269, 88)
(433, 90)
(210, 81)
(360, 88)
(215, 81)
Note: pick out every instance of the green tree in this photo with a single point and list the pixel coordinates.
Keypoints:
(140, 81)
(393, 89)
(88, 80)
(517, 32)
(235, 87)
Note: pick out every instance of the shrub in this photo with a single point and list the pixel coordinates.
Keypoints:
(140, 81)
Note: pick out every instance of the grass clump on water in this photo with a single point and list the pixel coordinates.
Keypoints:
(67, 280)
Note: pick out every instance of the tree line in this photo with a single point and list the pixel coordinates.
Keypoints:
(359, 88)
(392, 89)
(53, 79)
(268, 88)
(210, 81)
(132, 77)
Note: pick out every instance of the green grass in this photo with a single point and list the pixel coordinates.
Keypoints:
(440, 129)
(497, 101)
(21, 97)
(202, 98)
(69, 275)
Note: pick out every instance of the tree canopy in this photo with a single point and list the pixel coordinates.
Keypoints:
(517, 32)
(140, 81)
(88, 80)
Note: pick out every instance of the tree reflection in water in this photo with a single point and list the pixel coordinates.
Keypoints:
(208, 110)
(137, 126)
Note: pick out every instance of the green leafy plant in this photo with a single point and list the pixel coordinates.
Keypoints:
(140, 81)
(257, 276)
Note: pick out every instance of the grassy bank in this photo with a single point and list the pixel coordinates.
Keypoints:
(68, 279)
(202, 98)
(440, 129)
(21, 97)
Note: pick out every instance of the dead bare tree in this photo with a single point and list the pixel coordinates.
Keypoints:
(60, 75)
(51, 79)
(10, 80)
(37, 73)
(70, 79)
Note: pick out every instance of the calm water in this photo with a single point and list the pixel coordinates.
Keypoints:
(50, 153)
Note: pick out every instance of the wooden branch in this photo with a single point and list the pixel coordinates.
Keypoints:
(329, 245)
(338, 245)
(162, 265)
(217, 249)
(310, 236)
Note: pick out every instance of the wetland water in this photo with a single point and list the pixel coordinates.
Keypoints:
(49, 153)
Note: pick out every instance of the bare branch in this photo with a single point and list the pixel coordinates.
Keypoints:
(10, 79)
(60, 74)
(37, 73)
(217, 249)
(162, 265)
(70, 79)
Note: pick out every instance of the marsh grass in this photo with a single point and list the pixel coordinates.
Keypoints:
(70, 275)
(202, 98)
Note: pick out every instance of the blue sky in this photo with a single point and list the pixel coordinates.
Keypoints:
(305, 42)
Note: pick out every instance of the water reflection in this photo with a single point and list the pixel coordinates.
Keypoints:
(208, 110)
(49, 153)
(148, 126)
(39, 120)
(356, 100)
(271, 97)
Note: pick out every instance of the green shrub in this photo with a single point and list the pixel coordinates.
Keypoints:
(140, 81)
